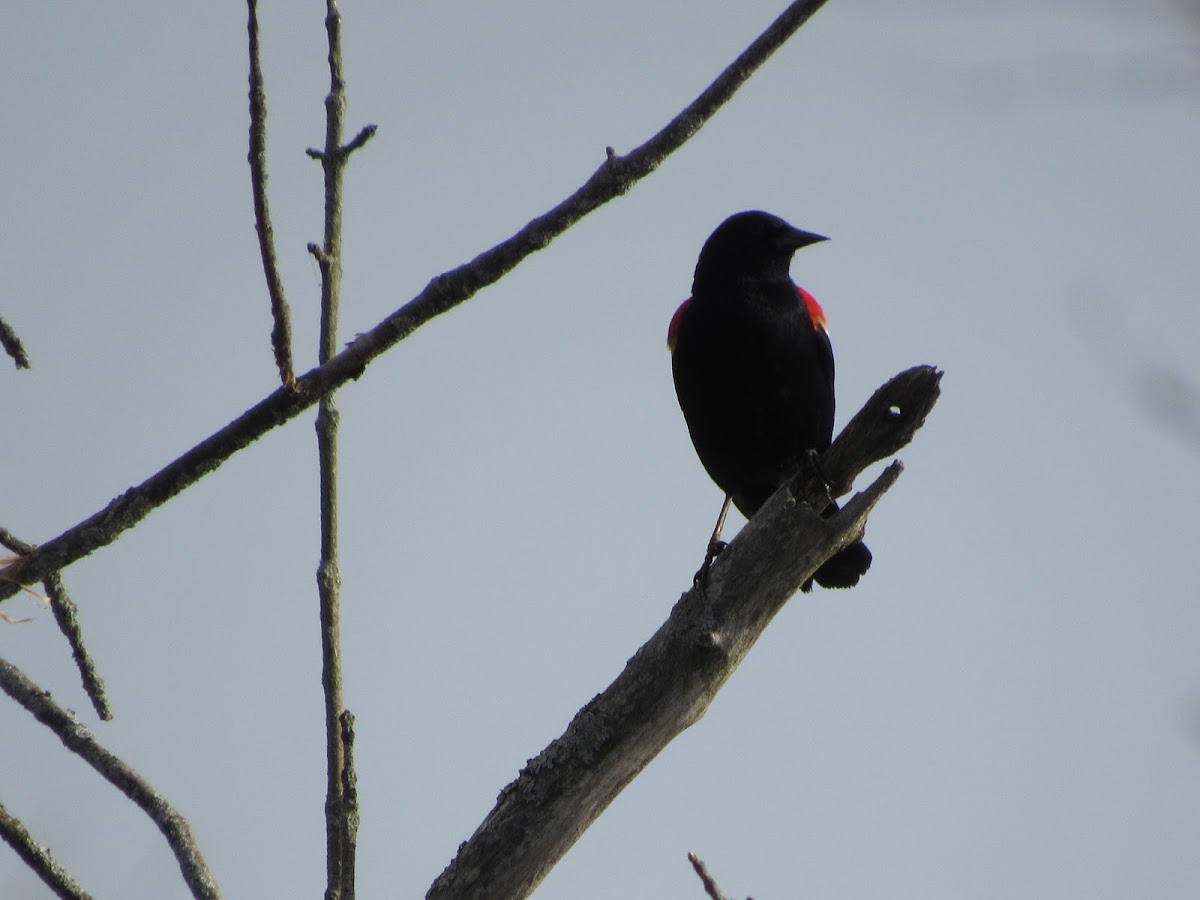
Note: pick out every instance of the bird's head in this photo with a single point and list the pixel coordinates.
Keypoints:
(750, 245)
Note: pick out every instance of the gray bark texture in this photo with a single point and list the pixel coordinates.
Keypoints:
(670, 682)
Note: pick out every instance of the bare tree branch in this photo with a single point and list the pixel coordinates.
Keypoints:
(281, 333)
(14, 543)
(13, 347)
(67, 617)
(349, 811)
(117, 772)
(670, 682)
(39, 859)
(710, 885)
(341, 817)
(616, 175)
(886, 423)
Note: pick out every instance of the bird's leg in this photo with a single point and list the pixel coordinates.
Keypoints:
(715, 544)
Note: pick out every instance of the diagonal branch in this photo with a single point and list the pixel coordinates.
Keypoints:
(67, 616)
(670, 682)
(13, 347)
(616, 175)
(885, 424)
(38, 858)
(117, 772)
(710, 884)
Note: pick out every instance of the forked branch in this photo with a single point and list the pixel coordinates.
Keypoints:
(117, 772)
(670, 682)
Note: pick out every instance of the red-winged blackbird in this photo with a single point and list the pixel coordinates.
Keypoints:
(753, 370)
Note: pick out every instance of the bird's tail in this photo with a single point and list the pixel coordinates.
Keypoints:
(844, 568)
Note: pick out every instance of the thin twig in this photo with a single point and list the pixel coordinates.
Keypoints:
(13, 347)
(117, 772)
(710, 885)
(615, 176)
(281, 332)
(14, 543)
(365, 134)
(8, 567)
(38, 858)
(339, 840)
(67, 617)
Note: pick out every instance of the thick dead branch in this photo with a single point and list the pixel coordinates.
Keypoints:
(615, 176)
(885, 424)
(670, 682)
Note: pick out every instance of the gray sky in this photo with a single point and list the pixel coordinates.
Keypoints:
(1008, 705)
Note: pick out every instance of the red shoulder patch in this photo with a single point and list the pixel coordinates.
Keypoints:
(814, 308)
(676, 322)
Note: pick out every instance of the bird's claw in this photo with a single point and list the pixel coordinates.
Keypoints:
(715, 548)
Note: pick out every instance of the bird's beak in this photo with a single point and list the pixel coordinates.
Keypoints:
(795, 239)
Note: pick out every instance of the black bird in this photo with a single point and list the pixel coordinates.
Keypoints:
(753, 370)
